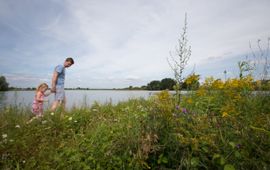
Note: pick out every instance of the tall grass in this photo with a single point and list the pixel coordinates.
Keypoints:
(220, 126)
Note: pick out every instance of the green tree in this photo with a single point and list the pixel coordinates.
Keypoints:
(244, 66)
(154, 85)
(167, 83)
(3, 84)
(144, 87)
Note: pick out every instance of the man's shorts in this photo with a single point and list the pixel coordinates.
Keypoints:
(59, 94)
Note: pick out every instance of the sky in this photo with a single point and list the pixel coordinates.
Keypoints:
(120, 43)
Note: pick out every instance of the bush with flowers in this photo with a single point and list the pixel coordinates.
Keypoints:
(222, 125)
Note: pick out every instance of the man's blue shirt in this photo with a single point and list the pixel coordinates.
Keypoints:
(60, 69)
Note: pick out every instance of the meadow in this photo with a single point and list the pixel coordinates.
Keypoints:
(221, 125)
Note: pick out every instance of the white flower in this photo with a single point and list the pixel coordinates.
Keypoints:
(75, 121)
(23, 161)
(44, 122)
(94, 110)
(17, 126)
(4, 136)
(52, 113)
(70, 118)
(11, 140)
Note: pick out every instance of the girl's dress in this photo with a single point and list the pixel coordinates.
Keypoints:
(37, 106)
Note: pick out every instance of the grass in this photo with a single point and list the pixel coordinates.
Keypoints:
(215, 127)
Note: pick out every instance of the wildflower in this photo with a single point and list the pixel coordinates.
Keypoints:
(44, 122)
(70, 118)
(75, 121)
(189, 101)
(4, 136)
(23, 161)
(11, 140)
(177, 107)
(52, 113)
(225, 114)
(17, 126)
(184, 110)
(238, 146)
(94, 110)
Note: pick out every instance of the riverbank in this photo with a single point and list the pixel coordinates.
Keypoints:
(142, 134)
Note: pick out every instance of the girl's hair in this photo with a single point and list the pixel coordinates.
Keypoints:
(41, 86)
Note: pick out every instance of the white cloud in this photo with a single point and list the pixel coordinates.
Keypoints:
(117, 43)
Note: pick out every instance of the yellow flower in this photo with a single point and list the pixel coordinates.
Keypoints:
(189, 101)
(201, 92)
(218, 84)
(225, 114)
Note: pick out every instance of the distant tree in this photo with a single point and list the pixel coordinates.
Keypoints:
(144, 87)
(12, 88)
(167, 83)
(154, 85)
(244, 66)
(3, 84)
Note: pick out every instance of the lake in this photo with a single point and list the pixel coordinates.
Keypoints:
(74, 97)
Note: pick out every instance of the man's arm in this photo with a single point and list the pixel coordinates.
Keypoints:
(54, 79)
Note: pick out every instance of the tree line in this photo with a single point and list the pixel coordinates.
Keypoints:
(3, 84)
(190, 83)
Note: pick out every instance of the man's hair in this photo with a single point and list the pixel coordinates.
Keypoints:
(70, 60)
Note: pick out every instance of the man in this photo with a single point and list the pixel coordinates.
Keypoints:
(58, 82)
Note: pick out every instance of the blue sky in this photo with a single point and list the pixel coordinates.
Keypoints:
(124, 43)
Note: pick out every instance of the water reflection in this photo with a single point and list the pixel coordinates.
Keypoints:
(74, 97)
(3, 98)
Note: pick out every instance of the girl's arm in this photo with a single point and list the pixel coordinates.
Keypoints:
(39, 97)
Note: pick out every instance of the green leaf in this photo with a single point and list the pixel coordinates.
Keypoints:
(216, 156)
(229, 167)
(232, 144)
(162, 159)
(237, 154)
(222, 160)
(205, 149)
(165, 160)
(195, 161)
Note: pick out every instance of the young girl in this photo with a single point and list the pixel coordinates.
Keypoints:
(37, 106)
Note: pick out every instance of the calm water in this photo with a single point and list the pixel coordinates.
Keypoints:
(74, 97)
